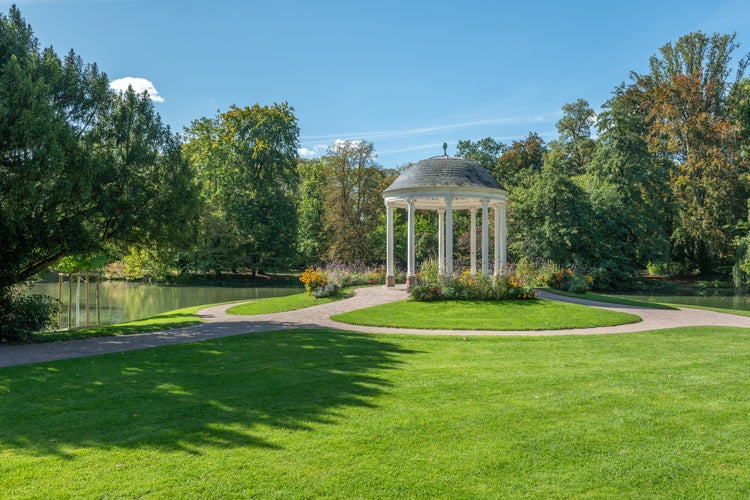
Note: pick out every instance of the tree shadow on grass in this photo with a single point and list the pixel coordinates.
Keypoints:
(228, 392)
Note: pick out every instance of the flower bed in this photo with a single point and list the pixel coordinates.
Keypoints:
(518, 282)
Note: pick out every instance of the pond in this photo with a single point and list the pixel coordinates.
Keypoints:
(726, 299)
(123, 301)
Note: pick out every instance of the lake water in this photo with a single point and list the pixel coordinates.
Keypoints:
(724, 300)
(122, 301)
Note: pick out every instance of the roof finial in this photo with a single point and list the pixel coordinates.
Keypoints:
(445, 149)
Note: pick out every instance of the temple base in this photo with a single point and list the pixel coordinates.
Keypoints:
(411, 281)
(390, 281)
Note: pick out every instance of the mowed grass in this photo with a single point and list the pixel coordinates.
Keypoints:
(165, 321)
(310, 414)
(288, 303)
(533, 314)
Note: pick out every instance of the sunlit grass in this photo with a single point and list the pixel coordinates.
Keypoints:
(485, 315)
(328, 414)
(288, 303)
(165, 321)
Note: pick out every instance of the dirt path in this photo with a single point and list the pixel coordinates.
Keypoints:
(220, 324)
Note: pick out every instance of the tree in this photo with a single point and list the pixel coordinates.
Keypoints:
(689, 125)
(552, 218)
(484, 152)
(46, 172)
(81, 168)
(520, 162)
(246, 159)
(575, 135)
(312, 243)
(630, 186)
(354, 183)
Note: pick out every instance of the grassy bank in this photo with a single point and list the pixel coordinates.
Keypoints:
(165, 321)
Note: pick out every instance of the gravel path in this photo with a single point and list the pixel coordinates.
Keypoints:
(220, 324)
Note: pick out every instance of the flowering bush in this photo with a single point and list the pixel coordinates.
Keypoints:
(469, 287)
(332, 277)
(355, 274)
(547, 274)
(313, 279)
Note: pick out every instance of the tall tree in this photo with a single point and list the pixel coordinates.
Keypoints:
(630, 186)
(520, 162)
(575, 135)
(689, 125)
(354, 183)
(551, 217)
(312, 243)
(247, 164)
(484, 152)
(81, 169)
(80, 166)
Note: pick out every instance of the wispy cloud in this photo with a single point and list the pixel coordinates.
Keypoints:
(412, 132)
(139, 85)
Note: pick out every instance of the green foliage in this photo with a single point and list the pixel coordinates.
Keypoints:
(689, 121)
(84, 170)
(246, 163)
(575, 135)
(357, 274)
(520, 162)
(484, 152)
(311, 238)
(353, 201)
(552, 218)
(23, 316)
(83, 263)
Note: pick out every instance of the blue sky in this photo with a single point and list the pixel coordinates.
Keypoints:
(405, 75)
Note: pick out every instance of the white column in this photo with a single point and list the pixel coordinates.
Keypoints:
(473, 247)
(485, 239)
(503, 236)
(448, 237)
(390, 276)
(441, 241)
(410, 271)
(496, 211)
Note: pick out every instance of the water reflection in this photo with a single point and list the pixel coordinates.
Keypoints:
(723, 300)
(122, 301)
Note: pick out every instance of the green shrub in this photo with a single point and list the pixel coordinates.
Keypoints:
(23, 316)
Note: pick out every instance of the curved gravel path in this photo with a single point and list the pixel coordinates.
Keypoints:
(220, 324)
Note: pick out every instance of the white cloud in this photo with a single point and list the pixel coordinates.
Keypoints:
(316, 150)
(139, 85)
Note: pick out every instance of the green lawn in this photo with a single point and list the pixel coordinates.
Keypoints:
(479, 315)
(165, 321)
(310, 414)
(288, 303)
